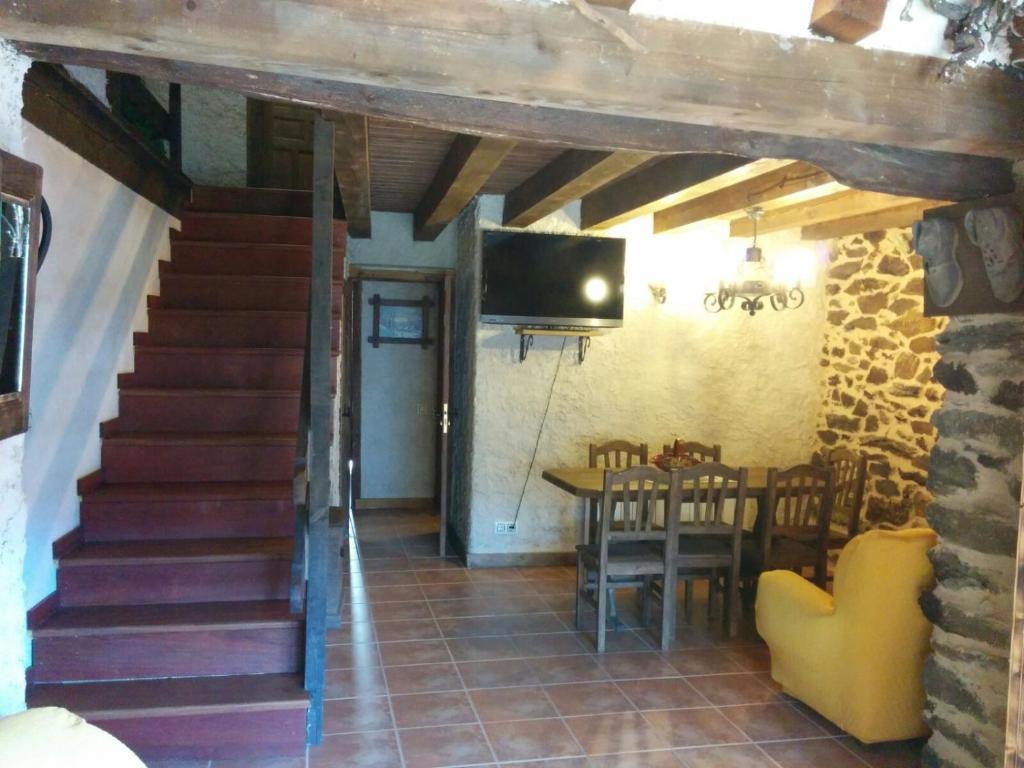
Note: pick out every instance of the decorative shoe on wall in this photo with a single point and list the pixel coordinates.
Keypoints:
(936, 241)
(999, 233)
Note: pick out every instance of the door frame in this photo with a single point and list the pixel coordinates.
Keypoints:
(351, 394)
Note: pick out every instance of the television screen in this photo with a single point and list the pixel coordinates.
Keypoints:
(552, 280)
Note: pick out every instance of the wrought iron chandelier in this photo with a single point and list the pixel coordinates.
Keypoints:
(754, 284)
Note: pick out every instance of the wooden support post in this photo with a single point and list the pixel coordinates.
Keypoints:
(174, 124)
(320, 421)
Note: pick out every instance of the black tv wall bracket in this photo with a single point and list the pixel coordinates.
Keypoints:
(527, 333)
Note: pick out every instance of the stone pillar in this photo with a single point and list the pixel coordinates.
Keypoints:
(975, 477)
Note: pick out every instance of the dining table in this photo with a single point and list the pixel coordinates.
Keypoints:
(588, 482)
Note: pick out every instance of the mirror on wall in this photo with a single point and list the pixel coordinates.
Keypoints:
(20, 204)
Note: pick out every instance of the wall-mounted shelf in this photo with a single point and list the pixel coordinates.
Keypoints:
(583, 336)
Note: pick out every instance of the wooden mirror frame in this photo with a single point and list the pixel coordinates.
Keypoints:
(23, 181)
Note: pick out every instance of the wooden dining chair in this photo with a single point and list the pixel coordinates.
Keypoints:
(706, 544)
(700, 451)
(628, 555)
(851, 470)
(792, 528)
(613, 454)
(617, 454)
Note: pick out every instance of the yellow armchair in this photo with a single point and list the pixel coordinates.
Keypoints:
(856, 658)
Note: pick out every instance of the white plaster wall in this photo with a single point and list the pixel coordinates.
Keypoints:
(213, 136)
(93, 79)
(673, 370)
(12, 499)
(392, 245)
(12, 588)
(90, 296)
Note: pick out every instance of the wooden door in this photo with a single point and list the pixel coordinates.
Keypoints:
(444, 408)
(279, 150)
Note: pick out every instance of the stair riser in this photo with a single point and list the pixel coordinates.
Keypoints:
(207, 413)
(200, 292)
(125, 521)
(196, 463)
(176, 329)
(212, 736)
(244, 260)
(278, 202)
(153, 369)
(203, 582)
(252, 229)
(126, 656)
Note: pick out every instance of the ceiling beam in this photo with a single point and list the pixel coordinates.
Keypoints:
(352, 169)
(568, 177)
(902, 216)
(659, 186)
(895, 170)
(547, 54)
(772, 189)
(470, 162)
(842, 205)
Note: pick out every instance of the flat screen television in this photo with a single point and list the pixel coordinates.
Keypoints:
(566, 281)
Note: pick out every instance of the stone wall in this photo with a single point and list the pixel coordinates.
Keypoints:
(975, 476)
(878, 355)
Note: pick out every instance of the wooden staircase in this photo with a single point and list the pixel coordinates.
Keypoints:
(170, 626)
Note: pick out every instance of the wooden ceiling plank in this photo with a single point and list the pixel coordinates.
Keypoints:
(895, 170)
(658, 186)
(547, 55)
(902, 216)
(568, 177)
(352, 169)
(759, 190)
(465, 169)
(843, 205)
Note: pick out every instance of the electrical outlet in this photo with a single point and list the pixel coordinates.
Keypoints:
(505, 528)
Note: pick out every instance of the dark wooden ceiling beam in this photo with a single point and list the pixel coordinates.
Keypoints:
(842, 205)
(547, 54)
(651, 189)
(352, 169)
(760, 190)
(568, 177)
(894, 170)
(470, 162)
(891, 218)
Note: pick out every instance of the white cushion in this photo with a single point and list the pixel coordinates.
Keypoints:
(51, 737)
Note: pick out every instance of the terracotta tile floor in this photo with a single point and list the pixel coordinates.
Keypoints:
(438, 666)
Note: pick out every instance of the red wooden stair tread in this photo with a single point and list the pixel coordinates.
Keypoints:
(168, 696)
(135, 492)
(175, 551)
(110, 619)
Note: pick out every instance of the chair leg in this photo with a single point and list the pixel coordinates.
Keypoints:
(668, 610)
(613, 608)
(602, 609)
(712, 593)
(581, 585)
(734, 601)
(645, 602)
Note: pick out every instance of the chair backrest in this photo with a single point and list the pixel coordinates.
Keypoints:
(617, 454)
(701, 451)
(799, 503)
(638, 489)
(850, 476)
(704, 489)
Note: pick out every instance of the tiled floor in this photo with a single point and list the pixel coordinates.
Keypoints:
(440, 666)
